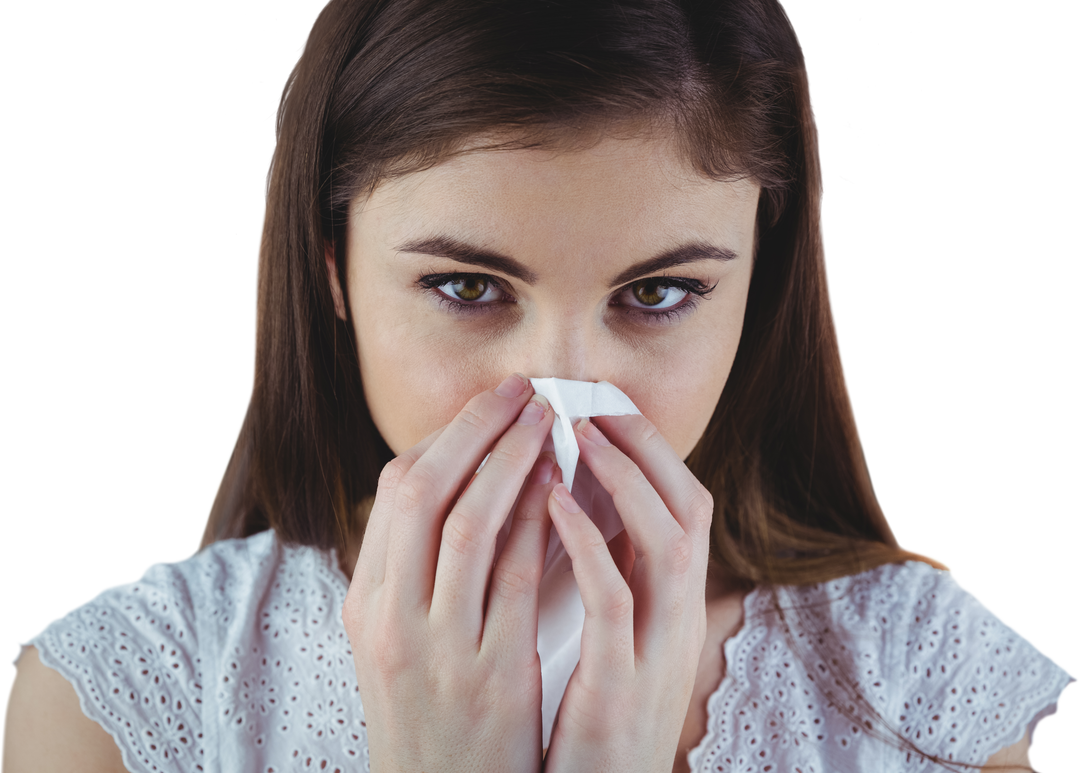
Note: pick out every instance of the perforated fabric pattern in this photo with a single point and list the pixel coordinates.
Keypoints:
(133, 659)
(237, 660)
(909, 656)
(267, 685)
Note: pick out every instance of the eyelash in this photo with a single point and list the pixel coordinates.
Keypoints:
(696, 290)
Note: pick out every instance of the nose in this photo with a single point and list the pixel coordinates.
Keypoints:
(566, 347)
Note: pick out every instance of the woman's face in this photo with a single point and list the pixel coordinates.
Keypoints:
(615, 263)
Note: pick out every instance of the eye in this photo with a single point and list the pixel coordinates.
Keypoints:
(464, 294)
(652, 293)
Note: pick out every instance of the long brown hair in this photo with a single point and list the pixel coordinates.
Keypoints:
(385, 87)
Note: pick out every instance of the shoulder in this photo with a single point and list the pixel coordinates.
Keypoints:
(1011, 758)
(126, 664)
(47, 729)
(971, 685)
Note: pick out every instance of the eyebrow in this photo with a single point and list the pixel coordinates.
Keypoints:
(463, 252)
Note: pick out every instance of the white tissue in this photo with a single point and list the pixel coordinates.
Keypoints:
(561, 613)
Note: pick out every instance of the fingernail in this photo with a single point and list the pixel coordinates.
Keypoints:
(513, 386)
(534, 410)
(591, 432)
(545, 468)
(562, 494)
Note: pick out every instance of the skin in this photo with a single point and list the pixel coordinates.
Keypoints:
(583, 218)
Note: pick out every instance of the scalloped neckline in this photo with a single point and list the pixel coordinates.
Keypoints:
(726, 681)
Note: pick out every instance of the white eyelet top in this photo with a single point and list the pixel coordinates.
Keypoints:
(236, 660)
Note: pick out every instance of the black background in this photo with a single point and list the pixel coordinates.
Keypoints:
(132, 328)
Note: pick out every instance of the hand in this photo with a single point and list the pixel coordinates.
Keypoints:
(644, 598)
(447, 667)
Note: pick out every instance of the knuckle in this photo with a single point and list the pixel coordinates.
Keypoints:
(647, 433)
(680, 555)
(472, 415)
(376, 636)
(392, 473)
(514, 583)
(593, 546)
(701, 509)
(411, 494)
(507, 456)
(463, 533)
(530, 514)
(387, 659)
(620, 605)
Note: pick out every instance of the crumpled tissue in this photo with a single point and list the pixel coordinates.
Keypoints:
(562, 615)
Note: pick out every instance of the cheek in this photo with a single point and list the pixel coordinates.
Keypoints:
(415, 384)
(677, 388)
(681, 399)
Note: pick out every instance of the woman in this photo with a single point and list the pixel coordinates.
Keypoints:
(669, 160)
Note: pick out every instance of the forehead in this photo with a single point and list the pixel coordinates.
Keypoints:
(616, 195)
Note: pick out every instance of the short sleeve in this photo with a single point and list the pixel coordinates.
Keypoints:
(131, 655)
(970, 685)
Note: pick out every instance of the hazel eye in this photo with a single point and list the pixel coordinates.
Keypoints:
(657, 293)
(464, 287)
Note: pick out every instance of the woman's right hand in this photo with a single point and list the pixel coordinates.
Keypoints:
(447, 666)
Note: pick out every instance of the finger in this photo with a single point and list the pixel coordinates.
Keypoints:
(607, 639)
(687, 499)
(424, 494)
(657, 536)
(371, 564)
(669, 565)
(467, 549)
(513, 597)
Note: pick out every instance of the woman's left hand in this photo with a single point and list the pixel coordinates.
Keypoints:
(644, 598)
